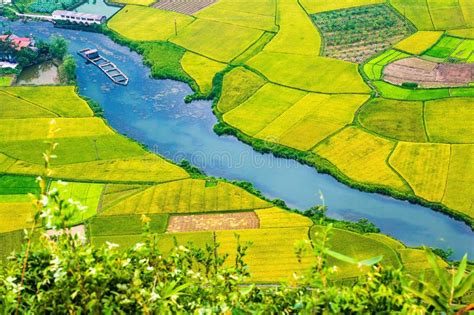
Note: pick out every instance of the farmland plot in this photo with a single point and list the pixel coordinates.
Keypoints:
(419, 42)
(374, 68)
(362, 157)
(213, 222)
(183, 6)
(359, 33)
(315, 6)
(201, 69)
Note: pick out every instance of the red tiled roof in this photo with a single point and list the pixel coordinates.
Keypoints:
(18, 42)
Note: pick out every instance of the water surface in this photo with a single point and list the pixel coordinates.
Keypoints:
(154, 113)
(41, 74)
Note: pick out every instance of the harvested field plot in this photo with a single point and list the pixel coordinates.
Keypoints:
(188, 196)
(424, 166)
(419, 42)
(219, 41)
(183, 6)
(201, 69)
(313, 74)
(359, 33)
(357, 246)
(394, 119)
(266, 105)
(458, 193)
(239, 85)
(362, 157)
(213, 222)
(271, 256)
(147, 24)
(428, 74)
(313, 118)
(450, 120)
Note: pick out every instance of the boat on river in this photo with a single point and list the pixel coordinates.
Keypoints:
(107, 67)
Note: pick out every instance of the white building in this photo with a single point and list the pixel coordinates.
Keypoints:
(4, 2)
(78, 17)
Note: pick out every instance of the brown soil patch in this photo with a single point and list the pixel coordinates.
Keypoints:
(428, 74)
(183, 6)
(213, 222)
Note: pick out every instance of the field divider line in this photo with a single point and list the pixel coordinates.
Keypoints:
(424, 121)
(447, 173)
(387, 161)
(431, 16)
(328, 137)
(30, 102)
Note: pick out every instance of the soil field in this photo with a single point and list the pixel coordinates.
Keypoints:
(428, 74)
(183, 6)
(357, 34)
(213, 222)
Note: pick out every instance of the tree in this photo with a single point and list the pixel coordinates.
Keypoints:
(58, 47)
(67, 70)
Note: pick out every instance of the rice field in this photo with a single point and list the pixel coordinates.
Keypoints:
(201, 69)
(400, 120)
(444, 48)
(362, 157)
(313, 74)
(440, 115)
(60, 100)
(87, 194)
(278, 218)
(458, 193)
(391, 91)
(136, 2)
(297, 34)
(239, 85)
(267, 245)
(187, 196)
(148, 24)
(125, 225)
(216, 40)
(356, 246)
(419, 42)
(312, 119)
(424, 166)
(6, 80)
(374, 67)
(269, 102)
(316, 6)
(436, 14)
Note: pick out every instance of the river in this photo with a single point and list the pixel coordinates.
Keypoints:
(153, 112)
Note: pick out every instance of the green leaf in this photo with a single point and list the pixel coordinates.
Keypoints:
(437, 270)
(465, 286)
(460, 272)
(341, 257)
(371, 261)
(428, 299)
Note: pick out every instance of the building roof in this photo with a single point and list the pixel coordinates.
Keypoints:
(79, 14)
(18, 42)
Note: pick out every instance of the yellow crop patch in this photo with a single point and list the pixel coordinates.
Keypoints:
(297, 34)
(362, 157)
(312, 119)
(15, 216)
(313, 74)
(316, 6)
(450, 120)
(460, 183)
(419, 42)
(262, 108)
(219, 41)
(201, 69)
(147, 24)
(424, 166)
(278, 218)
(271, 257)
(239, 84)
(188, 196)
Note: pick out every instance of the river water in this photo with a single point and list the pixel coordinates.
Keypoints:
(153, 112)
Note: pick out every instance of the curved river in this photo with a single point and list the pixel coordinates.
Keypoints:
(153, 112)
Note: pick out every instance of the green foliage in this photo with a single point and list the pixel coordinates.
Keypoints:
(58, 47)
(194, 171)
(67, 71)
(48, 6)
